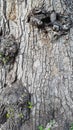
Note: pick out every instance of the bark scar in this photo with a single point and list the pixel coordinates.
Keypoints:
(41, 18)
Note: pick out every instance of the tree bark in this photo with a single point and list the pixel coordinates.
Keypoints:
(44, 65)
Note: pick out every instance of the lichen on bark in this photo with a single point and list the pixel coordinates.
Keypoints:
(45, 67)
(14, 106)
(8, 49)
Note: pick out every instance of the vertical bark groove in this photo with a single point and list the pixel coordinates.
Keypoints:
(44, 67)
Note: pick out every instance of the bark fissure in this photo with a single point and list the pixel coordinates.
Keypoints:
(44, 65)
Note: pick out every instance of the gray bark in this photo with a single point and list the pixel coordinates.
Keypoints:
(44, 65)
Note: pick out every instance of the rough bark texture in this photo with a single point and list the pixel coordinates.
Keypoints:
(44, 65)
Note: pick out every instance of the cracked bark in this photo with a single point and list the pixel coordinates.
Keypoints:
(43, 66)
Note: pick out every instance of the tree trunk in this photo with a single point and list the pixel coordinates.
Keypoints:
(44, 65)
